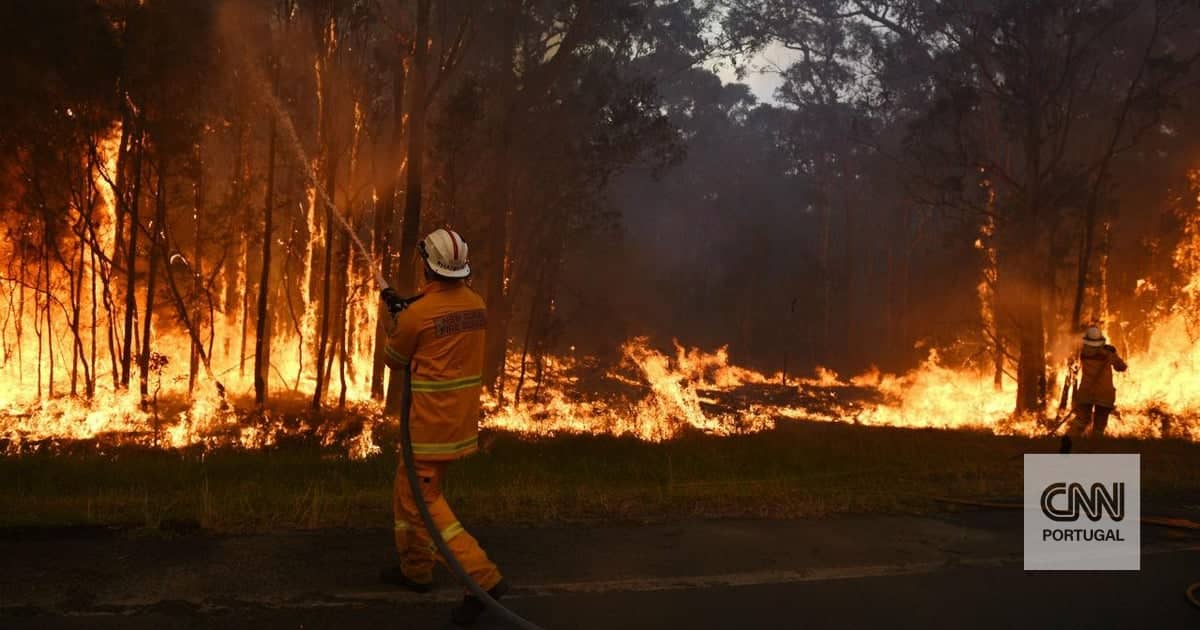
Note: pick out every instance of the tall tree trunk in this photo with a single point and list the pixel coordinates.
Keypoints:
(530, 328)
(850, 251)
(262, 355)
(1033, 261)
(19, 325)
(244, 297)
(91, 383)
(411, 228)
(48, 332)
(37, 320)
(498, 277)
(197, 268)
(339, 296)
(342, 328)
(78, 354)
(134, 200)
(1031, 330)
(385, 205)
(497, 274)
(120, 201)
(826, 281)
(326, 280)
(160, 216)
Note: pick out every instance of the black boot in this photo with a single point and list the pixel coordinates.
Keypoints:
(466, 613)
(395, 576)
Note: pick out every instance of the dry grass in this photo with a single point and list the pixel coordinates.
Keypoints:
(797, 470)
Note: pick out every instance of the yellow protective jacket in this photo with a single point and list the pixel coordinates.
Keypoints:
(440, 337)
(1096, 367)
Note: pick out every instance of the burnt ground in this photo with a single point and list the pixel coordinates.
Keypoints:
(956, 569)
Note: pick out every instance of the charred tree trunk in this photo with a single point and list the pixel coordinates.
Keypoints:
(530, 328)
(998, 364)
(326, 284)
(19, 325)
(134, 200)
(339, 296)
(850, 251)
(91, 383)
(826, 281)
(331, 229)
(498, 308)
(262, 354)
(497, 298)
(410, 229)
(343, 330)
(1031, 367)
(385, 207)
(196, 269)
(48, 332)
(37, 322)
(160, 216)
(1033, 261)
(78, 354)
(326, 99)
(244, 298)
(120, 199)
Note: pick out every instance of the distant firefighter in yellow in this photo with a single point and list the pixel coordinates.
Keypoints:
(440, 338)
(1096, 396)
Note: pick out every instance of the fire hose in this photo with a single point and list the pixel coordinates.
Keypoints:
(414, 486)
(396, 304)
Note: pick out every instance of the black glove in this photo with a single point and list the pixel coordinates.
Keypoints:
(394, 302)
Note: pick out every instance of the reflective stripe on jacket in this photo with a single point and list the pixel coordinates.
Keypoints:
(441, 336)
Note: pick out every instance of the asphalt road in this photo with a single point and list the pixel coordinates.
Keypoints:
(955, 570)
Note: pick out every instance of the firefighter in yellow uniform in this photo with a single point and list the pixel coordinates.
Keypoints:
(1096, 396)
(439, 336)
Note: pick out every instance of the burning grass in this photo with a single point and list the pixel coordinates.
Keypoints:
(797, 469)
(650, 395)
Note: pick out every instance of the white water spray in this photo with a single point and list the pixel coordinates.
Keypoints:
(289, 130)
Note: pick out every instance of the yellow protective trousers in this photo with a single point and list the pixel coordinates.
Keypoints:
(417, 551)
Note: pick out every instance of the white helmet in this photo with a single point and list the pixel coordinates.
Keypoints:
(1093, 337)
(446, 253)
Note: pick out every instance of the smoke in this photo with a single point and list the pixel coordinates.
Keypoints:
(255, 76)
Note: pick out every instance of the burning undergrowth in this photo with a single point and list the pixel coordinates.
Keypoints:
(654, 396)
(649, 395)
(67, 424)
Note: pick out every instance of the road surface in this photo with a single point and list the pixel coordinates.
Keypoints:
(952, 570)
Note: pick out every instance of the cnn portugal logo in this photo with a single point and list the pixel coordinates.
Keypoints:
(1063, 502)
(1082, 512)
